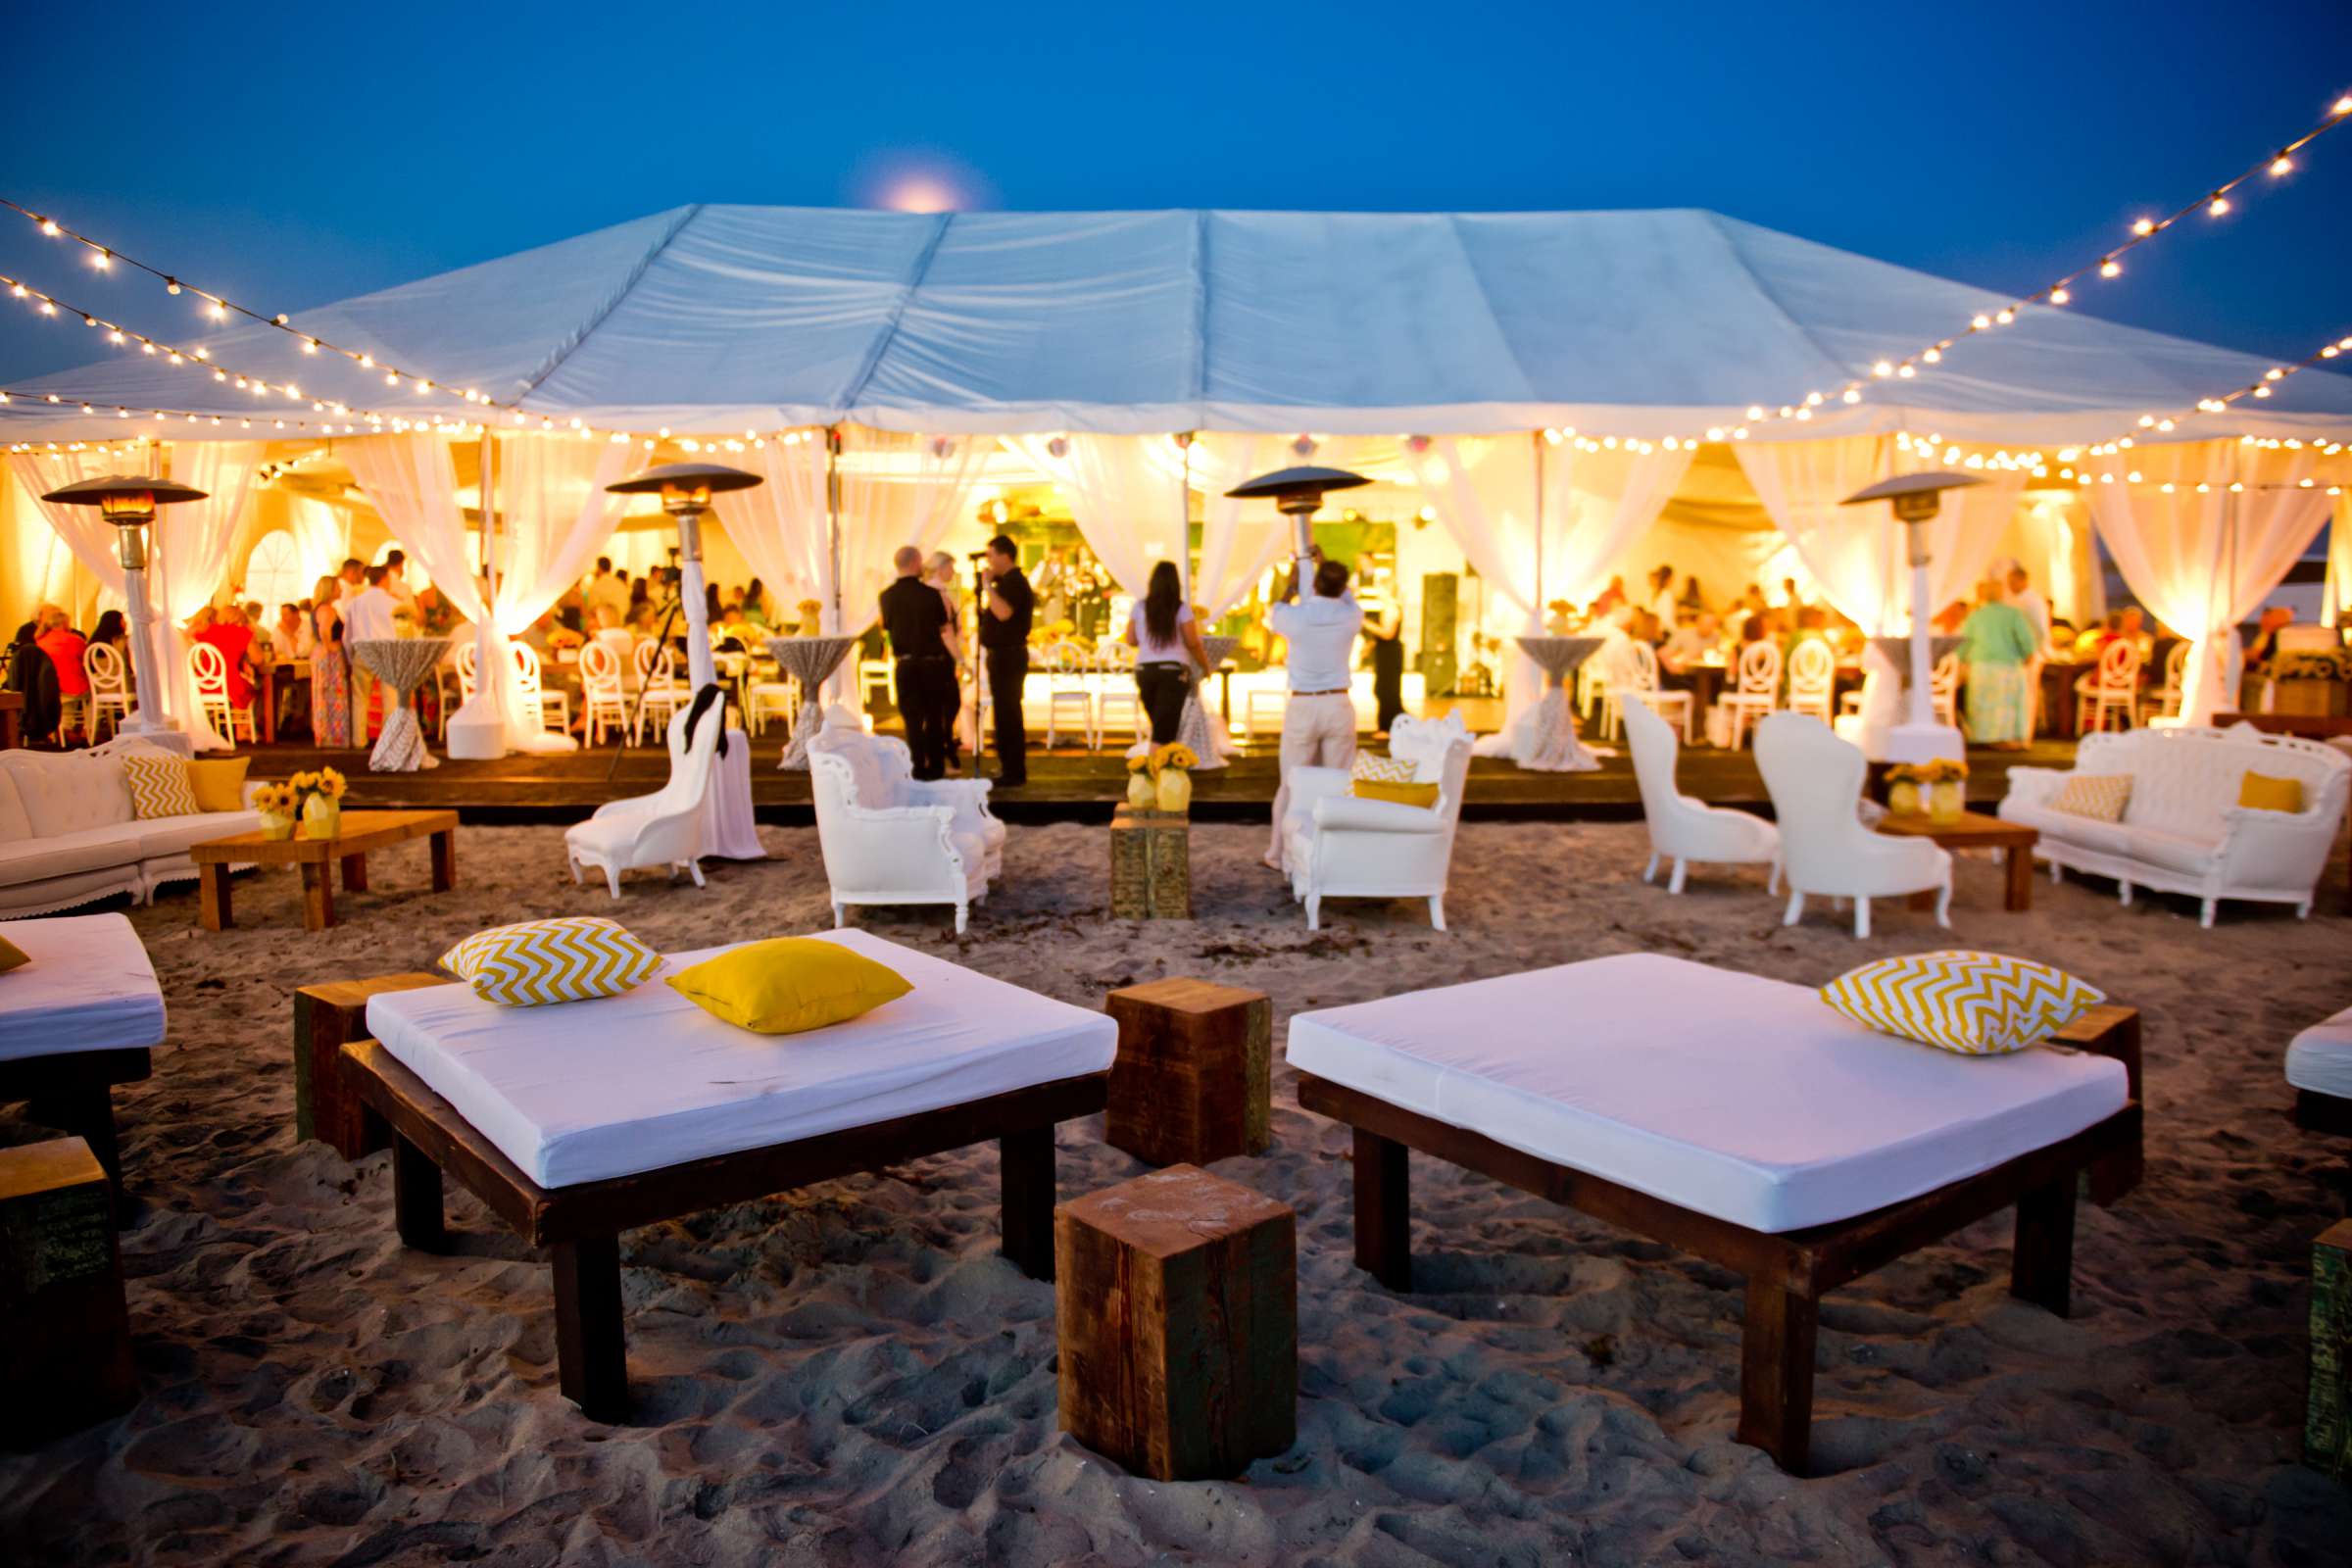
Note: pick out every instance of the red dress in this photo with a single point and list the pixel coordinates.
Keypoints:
(232, 641)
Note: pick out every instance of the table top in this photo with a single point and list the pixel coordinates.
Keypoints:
(362, 831)
(1973, 830)
(2311, 726)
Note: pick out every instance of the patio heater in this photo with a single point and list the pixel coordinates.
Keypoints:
(1298, 493)
(129, 501)
(686, 489)
(1918, 738)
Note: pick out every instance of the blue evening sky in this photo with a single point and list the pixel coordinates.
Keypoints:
(292, 154)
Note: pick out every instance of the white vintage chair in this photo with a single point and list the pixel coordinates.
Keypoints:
(766, 699)
(208, 670)
(1636, 676)
(1116, 705)
(1944, 689)
(1682, 829)
(1757, 688)
(1340, 846)
(602, 694)
(1813, 680)
(2112, 688)
(109, 687)
(662, 829)
(553, 707)
(1815, 781)
(888, 838)
(1066, 689)
(2176, 670)
(661, 691)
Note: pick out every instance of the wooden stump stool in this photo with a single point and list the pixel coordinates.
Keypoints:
(1193, 1078)
(64, 1330)
(1150, 865)
(1176, 1297)
(327, 1017)
(2328, 1415)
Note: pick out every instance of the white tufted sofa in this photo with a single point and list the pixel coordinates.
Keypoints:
(887, 839)
(2182, 830)
(1339, 846)
(69, 837)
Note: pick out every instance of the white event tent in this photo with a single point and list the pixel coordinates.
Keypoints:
(1541, 381)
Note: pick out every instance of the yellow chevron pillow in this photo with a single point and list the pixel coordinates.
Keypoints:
(159, 784)
(1975, 1004)
(1373, 767)
(786, 985)
(572, 958)
(2100, 797)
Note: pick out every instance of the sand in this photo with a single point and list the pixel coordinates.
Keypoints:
(851, 1374)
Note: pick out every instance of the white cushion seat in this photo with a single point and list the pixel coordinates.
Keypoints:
(2320, 1058)
(91, 849)
(88, 987)
(585, 1091)
(172, 835)
(1746, 1099)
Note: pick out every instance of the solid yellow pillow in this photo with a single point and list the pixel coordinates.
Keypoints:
(1423, 796)
(2267, 794)
(159, 784)
(2102, 796)
(570, 959)
(787, 985)
(218, 783)
(1973, 1004)
(10, 956)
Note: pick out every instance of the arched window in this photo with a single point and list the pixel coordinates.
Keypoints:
(273, 574)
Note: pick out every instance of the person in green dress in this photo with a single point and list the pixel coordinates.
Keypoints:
(1997, 642)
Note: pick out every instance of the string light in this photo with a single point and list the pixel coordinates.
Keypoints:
(2262, 386)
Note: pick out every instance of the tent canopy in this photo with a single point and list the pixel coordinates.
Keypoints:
(718, 319)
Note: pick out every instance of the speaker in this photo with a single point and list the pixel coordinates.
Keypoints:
(1440, 658)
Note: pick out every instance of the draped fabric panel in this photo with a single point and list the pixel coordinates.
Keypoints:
(88, 535)
(190, 564)
(2335, 601)
(780, 525)
(1131, 510)
(898, 489)
(2201, 562)
(321, 537)
(1239, 539)
(413, 484)
(553, 516)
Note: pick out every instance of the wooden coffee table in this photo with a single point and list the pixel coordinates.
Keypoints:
(362, 832)
(1976, 831)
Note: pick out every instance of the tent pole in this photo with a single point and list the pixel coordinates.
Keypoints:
(833, 518)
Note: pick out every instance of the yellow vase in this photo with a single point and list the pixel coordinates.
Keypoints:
(1175, 790)
(1902, 798)
(322, 818)
(277, 826)
(1140, 792)
(1948, 802)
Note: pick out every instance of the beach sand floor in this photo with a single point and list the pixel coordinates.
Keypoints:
(851, 1374)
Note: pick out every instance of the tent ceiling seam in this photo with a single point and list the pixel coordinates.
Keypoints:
(573, 344)
(1201, 217)
(855, 388)
(1764, 290)
(1485, 301)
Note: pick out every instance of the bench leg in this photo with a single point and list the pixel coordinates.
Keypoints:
(1775, 1374)
(417, 1198)
(592, 1358)
(1025, 1160)
(87, 1112)
(2041, 1269)
(1383, 1219)
(445, 860)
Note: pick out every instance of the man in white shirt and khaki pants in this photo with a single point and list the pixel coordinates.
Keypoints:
(1318, 723)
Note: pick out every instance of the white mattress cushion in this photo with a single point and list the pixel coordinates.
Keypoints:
(1740, 1097)
(88, 987)
(2320, 1058)
(591, 1090)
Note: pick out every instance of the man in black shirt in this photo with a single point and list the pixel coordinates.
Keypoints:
(1007, 608)
(923, 641)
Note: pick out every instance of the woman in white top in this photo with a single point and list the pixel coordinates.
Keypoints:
(1163, 635)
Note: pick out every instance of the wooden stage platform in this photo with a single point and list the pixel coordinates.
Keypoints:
(1066, 784)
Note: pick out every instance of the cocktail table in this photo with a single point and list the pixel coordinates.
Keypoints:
(1975, 831)
(361, 832)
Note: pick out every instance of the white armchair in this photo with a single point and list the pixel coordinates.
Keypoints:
(1336, 845)
(1815, 781)
(1685, 829)
(889, 838)
(664, 828)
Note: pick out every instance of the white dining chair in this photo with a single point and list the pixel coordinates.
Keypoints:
(2176, 670)
(765, 699)
(1756, 687)
(1067, 690)
(542, 708)
(207, 669)
(1636, 675)
(1813, 680)
(660, 692)
(604, 702)
(1116, 705)
(109, 687)
(2112, 688)
(1944, 689)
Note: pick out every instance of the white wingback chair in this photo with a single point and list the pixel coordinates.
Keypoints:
(1684, 830)
(1336, 845)
(1815, 781)
(662, 829)
(889, 838)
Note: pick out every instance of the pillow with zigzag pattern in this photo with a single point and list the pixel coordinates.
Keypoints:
(535, 962)
(1974, 1003)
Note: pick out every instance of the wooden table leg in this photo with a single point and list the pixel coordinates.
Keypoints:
(317, 896)
(445, 860)
(1025, 1160)
(2042, 1267)
(2020, 878)
(267, 717)
(1384, 1223)
(212, 896)
(417, 1198)
(355, 873)
(592, 1357)
(1775, 1374)
(87, 1111)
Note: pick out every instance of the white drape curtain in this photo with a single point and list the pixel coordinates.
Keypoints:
(88, 535)
(1129, 504)
(190, 563)
(779, 525)
(1239, 539)
(2200, 562)
(321, 537)
(2335, 604)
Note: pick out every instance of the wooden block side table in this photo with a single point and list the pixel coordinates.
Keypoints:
(361, 833)
(1177, 1307)
(65, 1327)
(1973, 830)
(326, 1019)
(1150, 865)
(1193, 1078)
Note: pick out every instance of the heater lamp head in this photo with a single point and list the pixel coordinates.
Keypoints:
(1916, 495)
(685, 484)
(125, 497)
(1291, 487)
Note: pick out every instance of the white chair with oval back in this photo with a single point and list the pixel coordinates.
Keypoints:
(1813, 680)
(2175, 673)
(660, 693)
(1067, 689)
(208, 672)
(546, 709)
(1757, 687)
(1944, 689)
(1636, 675)
(601, 692)
(109, 686)
(2112, 688)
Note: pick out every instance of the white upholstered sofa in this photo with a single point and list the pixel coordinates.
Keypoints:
(889, 839)
(1339, 846)
(2182, 830)
(68, 836)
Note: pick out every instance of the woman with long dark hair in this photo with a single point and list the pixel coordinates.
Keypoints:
(1164, 635)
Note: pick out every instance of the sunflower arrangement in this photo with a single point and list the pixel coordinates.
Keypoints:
(273, 797)
(1175, 754)
(1941, 770)
(324, 781)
